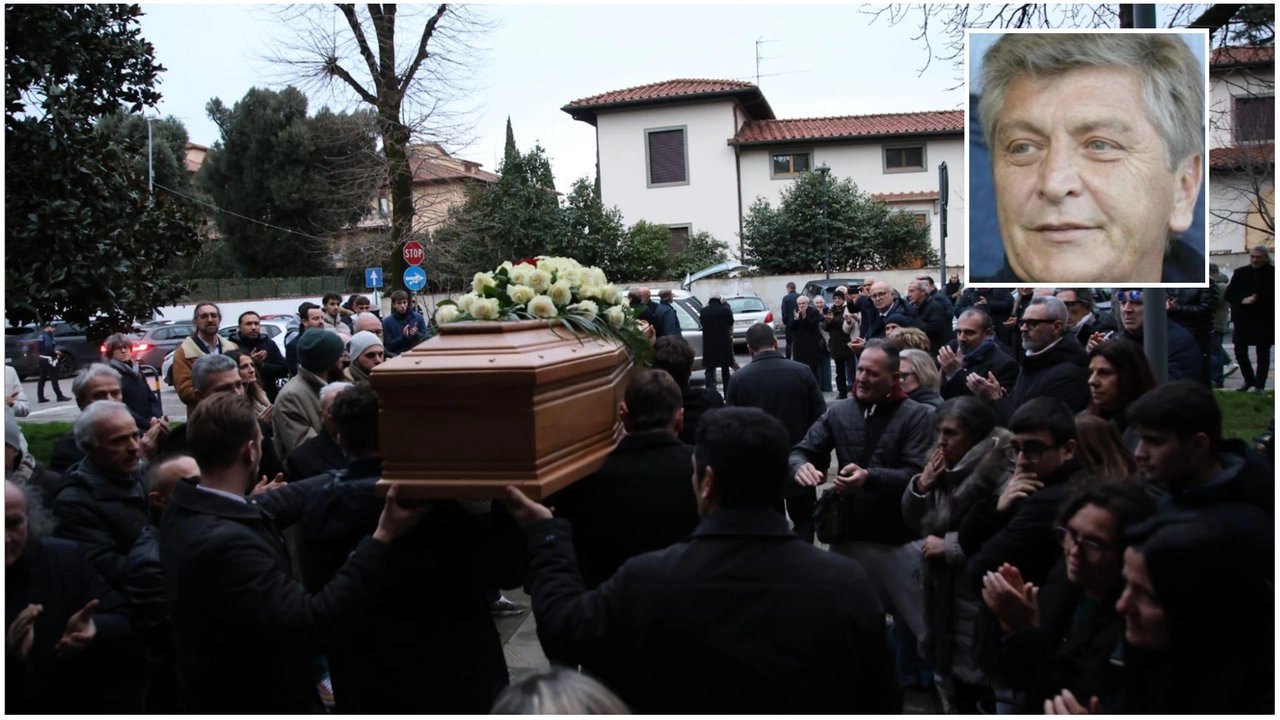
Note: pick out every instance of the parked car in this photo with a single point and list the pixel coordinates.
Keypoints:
(687, 312)
(22, 356)
(827, 288)
(275, 326)
(747, 311)
(157, 340)
(22, 349)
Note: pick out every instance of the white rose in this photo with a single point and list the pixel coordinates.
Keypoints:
(571, 275)
(597, 276)
(611, 295)
(549, 264)
(464, 302)
(587, 308)
(485, 309)
(616, 316)
(506, 264)
(519, 275)
(543, 307)
(590, 291)
(539, 280)
(480, 282)
(520, 294)
(446, 314)
(561, 293)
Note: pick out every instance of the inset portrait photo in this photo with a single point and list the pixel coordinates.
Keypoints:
(1087, 154)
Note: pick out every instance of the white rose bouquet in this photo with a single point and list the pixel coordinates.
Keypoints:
(557, 290)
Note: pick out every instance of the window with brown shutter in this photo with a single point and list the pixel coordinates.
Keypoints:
(1255, 118)
(667, 156)
(679, 240)
(904, 158)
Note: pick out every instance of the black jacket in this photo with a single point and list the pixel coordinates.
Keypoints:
(936, 322)
(640, 500)
(273, 373)
(431, 646)
(65, 454)
(1185, 358)
(103, 679)
(906, 437)
(789, 304)
(696, 402)
(873, 324)
(1193, 309)
(316, 456)
(1255, 324)
(175, 443)
(717, 334)
(144, 588)
(233, 600)
(105, 515)
(783, 388)
(136, 393)
(838, 342)
(742, 618)
(291, 353)
(999, 302)
(1242, 498)
(805, 337)
(996, 361)
(1061, 372)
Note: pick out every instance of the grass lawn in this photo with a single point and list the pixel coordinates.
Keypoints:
(41, 438)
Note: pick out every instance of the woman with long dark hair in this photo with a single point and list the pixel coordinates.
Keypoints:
(1118, 374)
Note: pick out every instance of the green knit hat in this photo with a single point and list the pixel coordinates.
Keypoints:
(318, 350)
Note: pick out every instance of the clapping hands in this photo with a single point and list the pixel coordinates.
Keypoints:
(1011, 600)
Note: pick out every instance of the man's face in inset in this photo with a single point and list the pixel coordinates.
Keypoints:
(1083, 192)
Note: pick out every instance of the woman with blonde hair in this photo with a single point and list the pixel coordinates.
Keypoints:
(920, 377)
(909, 337)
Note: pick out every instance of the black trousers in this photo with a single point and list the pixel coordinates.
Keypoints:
(710, 374)
(48, 373)
(788, 348)
(1253, 378)
(800, 508)
(844, 374)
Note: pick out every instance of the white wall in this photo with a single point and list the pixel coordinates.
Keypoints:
(862, 162)
(708, 202)
(1223, 87)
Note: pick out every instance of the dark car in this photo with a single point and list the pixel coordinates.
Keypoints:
(22, 351)
(827, 288)
(157, 340)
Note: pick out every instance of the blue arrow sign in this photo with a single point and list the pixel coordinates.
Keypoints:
(415, 278)
(373, 277)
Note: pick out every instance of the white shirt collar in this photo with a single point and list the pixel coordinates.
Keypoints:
(1046, 349)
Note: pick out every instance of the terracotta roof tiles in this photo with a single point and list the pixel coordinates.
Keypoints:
(764, 131)
(1230, 158)
(905, 196)
(664, 89)
(1242, 55)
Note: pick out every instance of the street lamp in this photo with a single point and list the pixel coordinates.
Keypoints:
(826, 232)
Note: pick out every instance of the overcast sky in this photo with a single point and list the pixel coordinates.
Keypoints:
(544, 56)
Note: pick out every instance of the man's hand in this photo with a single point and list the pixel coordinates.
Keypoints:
(264, 486)
(1250, 300)
(265, 415)
(987, 388)
(950, 360)
(149, 445)
(22, 633)
(1094, 339)
(932, 471)
(79, 634)
(810, 476)
(934, 546)
(1012, 602)
(399, 518)
(850, 478)
(858, 345)
(11, 400)
(1168, 304)
(980, 301)
(523, 510)
(1020, 486)
(1066, 704)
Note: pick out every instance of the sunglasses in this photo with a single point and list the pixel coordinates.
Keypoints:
(1130, 296)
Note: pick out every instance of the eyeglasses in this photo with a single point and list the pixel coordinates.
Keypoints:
(882, 293)
(1130, 296)
(1032, 323)
(1032, 450)
(1070, 538)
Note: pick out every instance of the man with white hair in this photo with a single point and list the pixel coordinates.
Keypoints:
(102, 504)
(931, 314)
(320, 454)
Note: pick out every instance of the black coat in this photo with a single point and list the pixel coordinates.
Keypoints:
(696, 402)
(1185, 358)
(789, 304)
(273, 373)
(65, 454)
(136, 393)
(742, 618)
(996, 361)
(838, 339)
(999, 303)
(1193, 309)
(144, 588)
(873, 324)
(934, 319)
(640, 500)
(805, 337)
(1255, 324)
(717, 334)
(104, 515)
(233, 600)
(316, 456)
(103, 679)
(175, 443)
(1061, 372)
(432, 646)
(783, 388)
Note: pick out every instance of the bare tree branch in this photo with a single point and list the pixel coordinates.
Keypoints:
(349, 12)
(427, 32)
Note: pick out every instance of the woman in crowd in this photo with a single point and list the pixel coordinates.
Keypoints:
(1063, 635)
(1102, 450)
(1118, 375)
(252, 384)
(968, 465)
(910, 337)
(135, 391)
(920, 378)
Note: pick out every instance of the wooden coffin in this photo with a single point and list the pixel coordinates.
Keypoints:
(484, 405)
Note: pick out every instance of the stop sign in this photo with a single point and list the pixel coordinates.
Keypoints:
(413, 253)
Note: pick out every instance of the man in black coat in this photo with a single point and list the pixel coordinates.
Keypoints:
(787, 312)
(976, 351)
(1193, 309)
(228, 582)
(876, 307)
(101, 504)
(1054, 364)
(717, 339)
(1186, 361)
(321, 454)
(1081, 320)
(272, 368)
(998, 302)
(803, 328)
(70, 648)
(1252, 294)
(742, 617)
(786, 390)
(431, 646)
(639, 500)
(675, 356)
(931, 314)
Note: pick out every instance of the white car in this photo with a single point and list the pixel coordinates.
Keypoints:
(275, 328)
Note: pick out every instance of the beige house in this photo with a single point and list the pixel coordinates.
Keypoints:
(1242, 151)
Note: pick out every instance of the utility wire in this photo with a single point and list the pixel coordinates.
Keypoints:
(242, 217)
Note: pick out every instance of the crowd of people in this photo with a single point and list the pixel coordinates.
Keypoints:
(1018, 515)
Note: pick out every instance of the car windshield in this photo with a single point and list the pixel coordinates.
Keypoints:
(748, 304)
